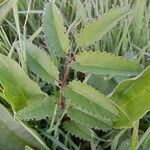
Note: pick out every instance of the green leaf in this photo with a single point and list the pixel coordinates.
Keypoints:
(38, 110)
(132, 97)
(105, 63)
(40, 63)
(19, 89)
(137, 22)
(90, 102)
(96, 29)
(54, 30)
(5, 7)
(102, 84)
(78, 130)
(13, 134)
(88, 120)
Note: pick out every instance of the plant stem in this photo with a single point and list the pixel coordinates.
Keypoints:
(134, 136)
(62, 83)
(69, 62)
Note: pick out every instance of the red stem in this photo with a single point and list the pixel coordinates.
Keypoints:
(62, 83)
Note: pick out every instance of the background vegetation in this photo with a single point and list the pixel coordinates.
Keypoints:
(128, 37)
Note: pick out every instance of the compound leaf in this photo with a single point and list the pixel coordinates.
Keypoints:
(96, 29)
(54, 30)
(132, 96)
(105, 63)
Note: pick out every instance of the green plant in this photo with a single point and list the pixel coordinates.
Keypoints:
(67, 65)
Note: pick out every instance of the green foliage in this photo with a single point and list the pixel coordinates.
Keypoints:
(78, 130)
(93, 56)
(145, 138)
(40, 63)
(90, 104)
(96, 29)
(125, 145)
(145, 141)
(105, 63)
(15, 134)
(19, 90)
(54, 30)
(78, 94)
(132, 98)
(38, 110)
(2, 1)
(88, 120)
(137, 23)
(115, 141)
(5, 7)
(102, 83)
